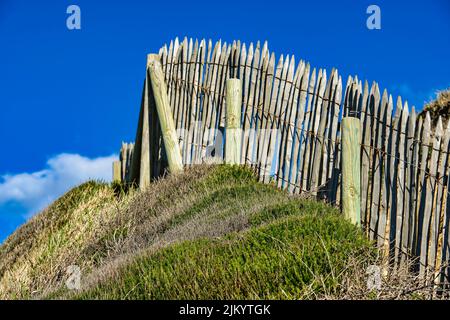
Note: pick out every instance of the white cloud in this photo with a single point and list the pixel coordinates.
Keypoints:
(34, 191)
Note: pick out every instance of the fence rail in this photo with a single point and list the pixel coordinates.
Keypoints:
(291, 126)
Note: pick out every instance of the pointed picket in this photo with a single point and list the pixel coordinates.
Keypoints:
(428, 196)
(291, 122)
(272, 123)
(217, 97)
(441, 225)
(209, 87)
(400, 189)
(253, 104)
(302, 177)
(410, 169)
(278, 110)
(283, 121)
(319, 149)
(327, 157)
(366, 137)
(376, 160)
(313, 128)
(298, 129)
(197, 102)
(266, 120)
(422, 189)
(261, 108)
(391, 177)
(415, 181)
(383, 239)
(246, 115)
(334, 148)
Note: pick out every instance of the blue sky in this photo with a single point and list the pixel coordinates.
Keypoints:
(68, 98)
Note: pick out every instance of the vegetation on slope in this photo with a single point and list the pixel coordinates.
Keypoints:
(290, 258)
(439, 107)
(211, 232)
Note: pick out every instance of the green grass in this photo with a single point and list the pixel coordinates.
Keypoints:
(288, 258)
(212, 232)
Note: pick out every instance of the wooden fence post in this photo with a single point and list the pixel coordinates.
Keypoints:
(351, 159)
(233, 121)
(165, 116)
(117, 175)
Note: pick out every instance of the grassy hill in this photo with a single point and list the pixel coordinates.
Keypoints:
(213, 232)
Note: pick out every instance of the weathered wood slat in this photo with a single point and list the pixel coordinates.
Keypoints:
(136, 162)
(298, 130)
(260, 106)
(337, 177)
(271, 134)
(439, 208)
(246, 116)
(266, 120)
(191, 102)
(376, 160)
(422, 191)
(334, 149)
(233, 60)
(274, 135)
(366, 137)
(211, 101)
(237, 61)
(242, 62)
(291, 123)
(253, 104)
(221, 113)
(169, 74)
(320, 137)
(175, 96)
(283, 121)
(279, 112)
(183, 96)
(198, 136)
(157, 156)
(316, 107)
(305, 137)
(144, 172)
(442, 225)
(383, 236)
(209, 86)
(410, 170)
(428, 195)
(415, 186)
(205, 79)
(163, 57)
(217, 97)
(401, 182)
(327, 157)
(391, 177)
(446, 233)
(319, 112)
(195, 101)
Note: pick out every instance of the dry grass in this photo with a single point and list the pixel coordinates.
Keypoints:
(36, 256)
(439, 107)
(397, 283)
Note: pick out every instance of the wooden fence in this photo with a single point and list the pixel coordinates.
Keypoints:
(291, 116)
